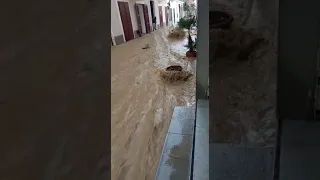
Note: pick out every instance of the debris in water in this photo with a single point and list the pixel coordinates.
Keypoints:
(176, 33)
(146, 47)
(174, 76)
(174, 68)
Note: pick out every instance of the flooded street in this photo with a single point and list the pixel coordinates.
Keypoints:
(142, 104)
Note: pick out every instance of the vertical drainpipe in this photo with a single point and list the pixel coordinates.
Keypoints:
(202, 74)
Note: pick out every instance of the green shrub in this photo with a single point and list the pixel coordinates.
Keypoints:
(186, 23)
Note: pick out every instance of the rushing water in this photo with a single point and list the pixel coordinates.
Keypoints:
(142, 104)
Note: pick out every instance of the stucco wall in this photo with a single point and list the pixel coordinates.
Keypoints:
(147, 2)
(54, 95)
(156, 11)
(156, 6)
(175, 6)
(163, 12)
(149, 12)
(133, 15)
(116, 24)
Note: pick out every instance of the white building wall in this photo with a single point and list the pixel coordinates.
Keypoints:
(143, 26)
(164, 14)
(149, 12)
(147, 2)
(116, 24)
(162, 3)
(157, 3)
(156, 12)
(175, 6)
(133, 14)
(112, 37)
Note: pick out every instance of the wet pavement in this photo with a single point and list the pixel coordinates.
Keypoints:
(176, 157)
(142, 104)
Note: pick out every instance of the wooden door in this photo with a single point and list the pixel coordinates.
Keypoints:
(146, 18)
(167, 16)
(138, 19)
(160, 16)
(126, 20)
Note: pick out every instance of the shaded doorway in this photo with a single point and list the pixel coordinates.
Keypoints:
(170, 14)
(152, 9)
(167, 16)
(160, 16)
(126, 20)
(142, 18)
(146, 18)
(152, 14)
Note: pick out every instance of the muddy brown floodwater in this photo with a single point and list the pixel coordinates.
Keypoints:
(142, 104)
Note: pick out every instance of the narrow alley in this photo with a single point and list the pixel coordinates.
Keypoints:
(142, 104)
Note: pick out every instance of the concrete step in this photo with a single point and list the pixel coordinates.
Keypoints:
(300, 147)
(200, 169)
(176, 158)
(228, 162)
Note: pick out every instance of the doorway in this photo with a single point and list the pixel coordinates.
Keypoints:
(167, 16)
(160, 16)
(143, 18)
(140, 19)
(153, 15)
(152, 9)
(146, 18)
(126, 20)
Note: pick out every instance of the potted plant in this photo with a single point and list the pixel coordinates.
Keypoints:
(192, 45)
(186, 23)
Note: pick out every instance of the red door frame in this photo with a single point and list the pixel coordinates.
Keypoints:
(126, 20)
(146, 18)
(138, 19)
(160, 16)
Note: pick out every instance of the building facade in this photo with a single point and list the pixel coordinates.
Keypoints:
(131, 19)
